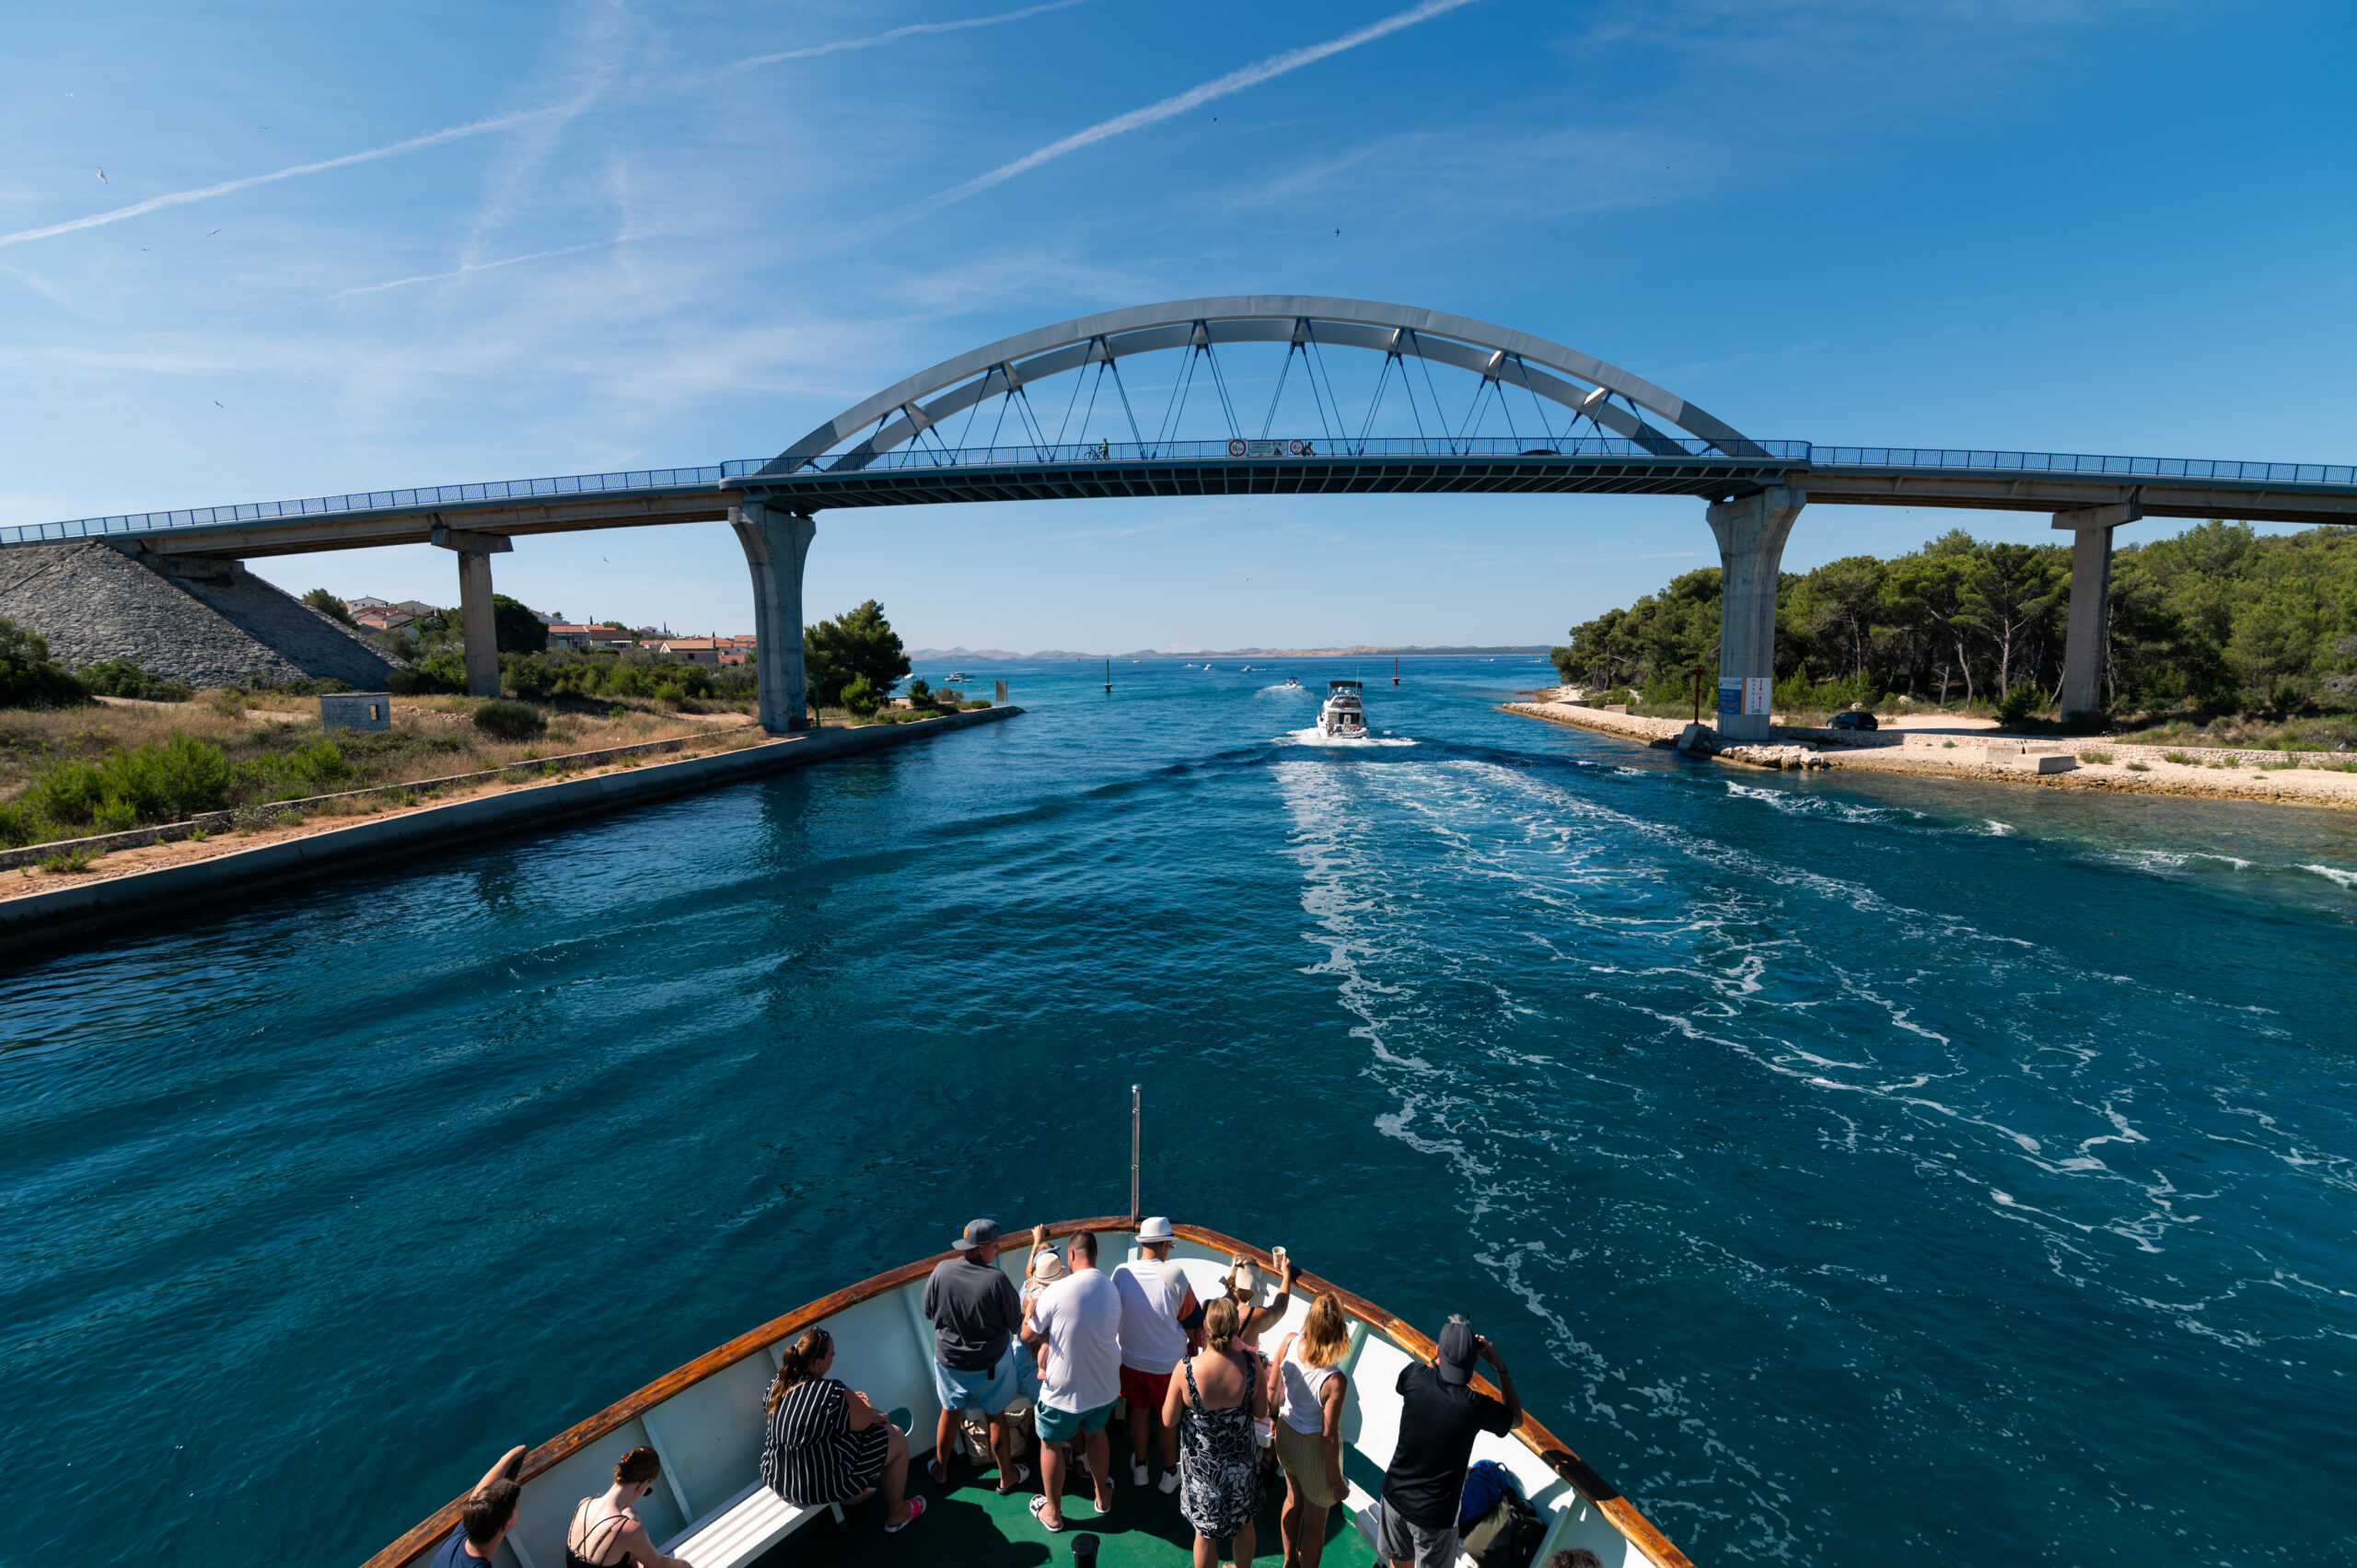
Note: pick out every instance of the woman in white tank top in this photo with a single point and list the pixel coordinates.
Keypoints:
(1310, 1389)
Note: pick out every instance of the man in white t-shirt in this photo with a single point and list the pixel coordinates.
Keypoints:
(1157, 1303)
(1079, 1320)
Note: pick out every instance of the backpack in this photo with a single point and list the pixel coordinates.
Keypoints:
(1508, 1535)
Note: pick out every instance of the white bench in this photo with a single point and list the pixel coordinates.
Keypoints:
(745, 1526)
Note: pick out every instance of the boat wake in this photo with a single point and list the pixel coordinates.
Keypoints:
(1312, 736)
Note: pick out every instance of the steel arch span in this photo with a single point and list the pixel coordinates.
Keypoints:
(1580, 382)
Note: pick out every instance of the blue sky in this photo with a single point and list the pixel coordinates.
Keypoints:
(556, 238)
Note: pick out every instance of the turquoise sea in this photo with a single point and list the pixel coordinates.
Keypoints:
(1856, 1170)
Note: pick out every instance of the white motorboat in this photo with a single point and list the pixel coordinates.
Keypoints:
(704, 1421)
(1291, 685)
(1344, 715)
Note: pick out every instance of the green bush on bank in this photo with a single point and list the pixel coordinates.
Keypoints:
(123, 677)
(510, 720)
(30, 677)
(860, 698)
(165, 781)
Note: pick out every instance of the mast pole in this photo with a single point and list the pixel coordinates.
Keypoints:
(1135, 1212)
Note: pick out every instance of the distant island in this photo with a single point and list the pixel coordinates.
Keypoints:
(1534, 649)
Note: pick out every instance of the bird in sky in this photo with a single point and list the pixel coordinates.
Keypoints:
(211, 232)
(217, 404)
(102, 173)
(143, 248)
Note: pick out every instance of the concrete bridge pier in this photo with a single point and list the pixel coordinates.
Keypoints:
(2083, 653)
(775, 542)
(475, 619)
(1751, 532)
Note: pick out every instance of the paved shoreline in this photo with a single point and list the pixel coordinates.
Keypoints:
(89, 904)
(1926, 754)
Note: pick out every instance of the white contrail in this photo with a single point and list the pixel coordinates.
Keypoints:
(181, 197)
(462, 270)
(898, 33)
(1153, 113)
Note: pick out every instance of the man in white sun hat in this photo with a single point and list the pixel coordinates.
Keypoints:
(1155, 1301)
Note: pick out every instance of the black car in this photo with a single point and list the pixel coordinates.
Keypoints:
(1856, 719)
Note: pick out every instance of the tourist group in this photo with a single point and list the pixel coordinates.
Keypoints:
(1055, 1357)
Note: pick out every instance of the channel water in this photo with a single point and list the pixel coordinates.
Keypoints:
(1856, 1170)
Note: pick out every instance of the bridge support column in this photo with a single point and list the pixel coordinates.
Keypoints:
(2083, 657)
(775, 542)
(1751, 534)
(476, 623)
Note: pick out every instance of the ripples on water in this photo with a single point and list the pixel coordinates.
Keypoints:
(1853, 1170)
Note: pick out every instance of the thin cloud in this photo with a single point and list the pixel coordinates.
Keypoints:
(464, 269)
(181, 197)
(1170, 108)
(912, 31)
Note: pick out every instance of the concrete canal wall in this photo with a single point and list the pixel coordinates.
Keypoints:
(91, 908)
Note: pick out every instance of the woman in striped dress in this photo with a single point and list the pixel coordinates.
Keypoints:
(827, 1444)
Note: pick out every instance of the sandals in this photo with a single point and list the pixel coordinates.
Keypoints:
(916, 1512)
(1039, 1512)
(1022, 1474)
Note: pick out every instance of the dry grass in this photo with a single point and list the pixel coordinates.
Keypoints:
(430, 737)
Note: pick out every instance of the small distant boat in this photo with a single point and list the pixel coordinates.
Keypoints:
(1291, 685)
(961, 675)
(1344, 715)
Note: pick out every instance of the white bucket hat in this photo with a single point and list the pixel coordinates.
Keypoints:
(1157, 1229)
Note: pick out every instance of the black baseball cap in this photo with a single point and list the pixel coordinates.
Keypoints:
(979, 1233)
(1455, 1361)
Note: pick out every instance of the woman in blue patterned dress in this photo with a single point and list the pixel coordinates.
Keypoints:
(1220, 1405)
(827, 1444)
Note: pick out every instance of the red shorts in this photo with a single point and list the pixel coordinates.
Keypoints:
(1145, 1391)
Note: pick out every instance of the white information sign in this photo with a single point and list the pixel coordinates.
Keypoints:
(1756, 689)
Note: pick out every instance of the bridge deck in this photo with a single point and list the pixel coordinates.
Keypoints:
(1988, 480)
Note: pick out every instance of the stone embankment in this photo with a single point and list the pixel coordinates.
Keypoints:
(209, 623)
(2297, 778)
(207, 873)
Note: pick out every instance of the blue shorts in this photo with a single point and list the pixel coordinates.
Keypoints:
(989, 1391)
(1056, 1426)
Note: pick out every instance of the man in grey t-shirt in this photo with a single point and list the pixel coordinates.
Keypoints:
(975, 1312)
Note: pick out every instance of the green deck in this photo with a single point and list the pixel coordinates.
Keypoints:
(973, 1525)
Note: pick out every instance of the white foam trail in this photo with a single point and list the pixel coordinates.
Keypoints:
(1311, 737)
(2333, 874)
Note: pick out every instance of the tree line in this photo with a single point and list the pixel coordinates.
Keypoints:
(2219, 618)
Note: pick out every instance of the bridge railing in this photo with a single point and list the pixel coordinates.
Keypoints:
(917, 455)
(1798, 454)
(1983, 459)
(418, 499)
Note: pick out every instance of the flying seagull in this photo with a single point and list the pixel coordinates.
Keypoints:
(211, 232)
(102, 176)
(217, 404)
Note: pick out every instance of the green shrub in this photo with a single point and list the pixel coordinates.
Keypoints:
(18, 826)
(860, 698)
(2017, 704)
(920, 693)
(123, 677)
(2178, 757)
(30, 677)
(313, 768)
(2098, 756)
(2140, 767)
(67, 860)
(510, 720)
(977, 703)
(166, 783)
(327, 604)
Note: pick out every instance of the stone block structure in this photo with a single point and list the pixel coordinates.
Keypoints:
(204, 619)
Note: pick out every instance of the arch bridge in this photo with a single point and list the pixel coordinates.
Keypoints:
(1571, 424)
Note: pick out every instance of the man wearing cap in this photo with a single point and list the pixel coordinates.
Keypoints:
(976, 1366)
(1157, 1301)
(1440, 1414)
